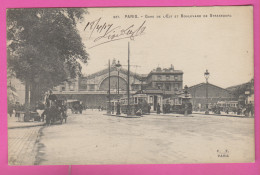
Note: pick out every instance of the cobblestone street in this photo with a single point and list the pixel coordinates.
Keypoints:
(22, 147)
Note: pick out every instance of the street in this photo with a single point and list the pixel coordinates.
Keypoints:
(95, 138)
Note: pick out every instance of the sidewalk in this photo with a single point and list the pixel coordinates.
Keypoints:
(230, 114)
(14, 123)
(22, 145)
(125, 116)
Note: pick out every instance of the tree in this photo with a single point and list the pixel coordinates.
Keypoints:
(44, 47)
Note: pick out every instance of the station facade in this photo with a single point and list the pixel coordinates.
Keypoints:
(215, 94)
(93, 89)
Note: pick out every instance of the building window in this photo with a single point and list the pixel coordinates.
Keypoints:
(167, 77)
(159, 77)
(72, 86)
(167, 87)
(159, 85)
(135, 100)
(151, 99)
(63, 88)
(92, 87)
(176, 77)
(55, 89)
(176, 87)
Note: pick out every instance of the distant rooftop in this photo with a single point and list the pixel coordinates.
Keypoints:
(165, 70)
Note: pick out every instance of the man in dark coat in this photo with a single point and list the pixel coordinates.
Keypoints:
(149, 108)
(52, 97)
(10, 110)
(158, 108)
(118, 108)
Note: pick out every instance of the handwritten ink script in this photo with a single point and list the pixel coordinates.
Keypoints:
(104, 32)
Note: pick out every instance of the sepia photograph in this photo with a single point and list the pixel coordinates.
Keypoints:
(130, 85)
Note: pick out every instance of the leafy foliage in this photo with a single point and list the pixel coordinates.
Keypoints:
(44, 45)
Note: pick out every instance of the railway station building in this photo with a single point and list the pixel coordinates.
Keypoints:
(93, 89)
(215, 94)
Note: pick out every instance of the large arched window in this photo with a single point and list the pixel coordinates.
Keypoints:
(113, 84)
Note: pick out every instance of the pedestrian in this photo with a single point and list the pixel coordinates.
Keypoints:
(118, 108)
(46, 115)
(139, 112)
(149, 108)
(64, 111)
(164, 108)
(52, 97)
(158, 108)
(46, 100)
(80, 108)
(10, 110)
(227, 110)
(113, 108)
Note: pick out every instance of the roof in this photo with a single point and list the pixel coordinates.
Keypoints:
(150, 90)
(122, 70)
(202, 84)
(165, 73)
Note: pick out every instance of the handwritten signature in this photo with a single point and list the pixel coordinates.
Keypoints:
(105, 32)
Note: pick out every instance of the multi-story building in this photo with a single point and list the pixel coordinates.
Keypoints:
(92, 90)
(169, 80)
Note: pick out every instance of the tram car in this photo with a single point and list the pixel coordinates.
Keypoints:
(178, 104)
(227, 104)
(147, 103)
(136, 103)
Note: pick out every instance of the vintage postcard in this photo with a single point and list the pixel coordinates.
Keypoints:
(135, 85)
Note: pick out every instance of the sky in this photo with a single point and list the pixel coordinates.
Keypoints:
(223, 45)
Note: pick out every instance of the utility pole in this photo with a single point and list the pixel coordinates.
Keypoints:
(206, 75)
(109, 98)
(128, 81)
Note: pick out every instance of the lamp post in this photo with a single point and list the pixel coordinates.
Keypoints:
(109, 95)
(206, 75)
(118, 67)
(186, 101)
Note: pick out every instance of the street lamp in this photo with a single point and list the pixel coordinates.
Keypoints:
(186, 100)
(186, 90)
(206, 75)
(118, 67)
(109, 97)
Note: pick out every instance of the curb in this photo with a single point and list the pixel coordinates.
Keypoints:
(240, 116)
(26, 126)
(125, 116)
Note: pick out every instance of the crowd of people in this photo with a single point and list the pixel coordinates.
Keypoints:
(245, 109)
(48, 109)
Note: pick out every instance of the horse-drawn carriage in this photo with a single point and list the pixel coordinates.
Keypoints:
(75, 106)
(56, 112)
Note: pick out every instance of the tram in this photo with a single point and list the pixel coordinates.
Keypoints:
(147, 103)
(136, 103)
(177, 104)
(227, 104)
